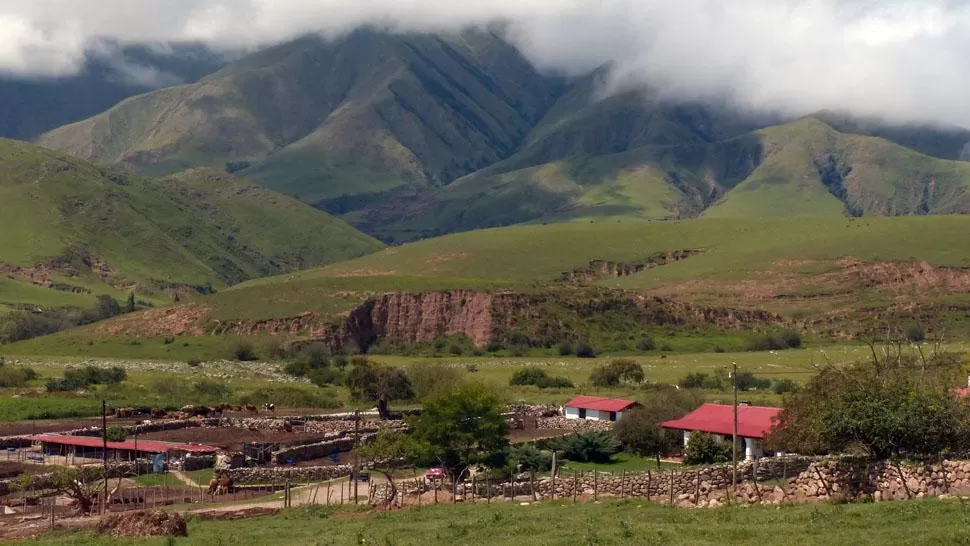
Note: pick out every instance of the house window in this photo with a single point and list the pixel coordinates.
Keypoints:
(613, 416)
(582, 413)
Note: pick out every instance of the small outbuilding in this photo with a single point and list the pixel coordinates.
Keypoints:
(92, 447)
(754, 424)
(594, 408)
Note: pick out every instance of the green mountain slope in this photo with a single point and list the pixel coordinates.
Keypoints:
(803, 168)
(332, 120)
(76, 228)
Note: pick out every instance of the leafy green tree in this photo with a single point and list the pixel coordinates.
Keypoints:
(117, 434)
(639, 430)
(702, 448)
(588, 447)
(529, 458)
(528, 376)
(460, 428)
(431, 380)
(130, 304)
(895, 405)
(379, 384)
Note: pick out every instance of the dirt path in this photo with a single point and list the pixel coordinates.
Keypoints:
(303, 495)
(184, 478)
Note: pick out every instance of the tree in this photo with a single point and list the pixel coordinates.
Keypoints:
(897, 404)
(81, 485)
(130, 304)
(379, 384)
(702, 448)
(107, 307)
(117, 434)
(460, 428)
(639, 430)
(588, 447)
(430, 380)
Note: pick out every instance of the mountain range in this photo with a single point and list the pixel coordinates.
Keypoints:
(408, 136)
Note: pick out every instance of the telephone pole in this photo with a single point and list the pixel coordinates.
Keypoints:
(104, 452)
(734, 434)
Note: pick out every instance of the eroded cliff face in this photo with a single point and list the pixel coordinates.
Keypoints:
(404, 318)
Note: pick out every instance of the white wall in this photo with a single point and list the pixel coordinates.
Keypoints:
(591, 415)
(572, 413)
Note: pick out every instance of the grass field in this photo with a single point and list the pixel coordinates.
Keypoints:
(562, 523)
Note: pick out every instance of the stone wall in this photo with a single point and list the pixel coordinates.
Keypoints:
(571, 425)
(197, 462)
(275, 475)
(886, 480)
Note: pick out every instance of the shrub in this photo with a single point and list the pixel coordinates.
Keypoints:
(455, 349)
(588, 447)
(747, 381)
(539, 378)
(194, 362)
(529, 458)
(116, 434)
(646, 344)
(719, 349)
(322, 377)
(784, 386)
(615, 372)
(244, 352)
(210, 391)
(528, 376)
(585, 350)
(565, 349)
(169, 340)
(493, 346)
(791, 339)
(764, 342)
(915, 334)
(694, 380)
(702, 448)
(11, 376)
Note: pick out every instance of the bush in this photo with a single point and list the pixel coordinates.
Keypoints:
(702, 448)
(493, 346)
(529, 458)
(194, 362)
(784, 386)
(694, 380)
(455, 349)
(646, 344)
(791, 339)
(12, 377)
(169, 340)
(915, 334)
(616, 372)
(528, 376)
(210, 391)
(539, 378)
(244, 352)
(565, 349)
(116, 434)
(588, 447)
(719, 349)
(322, 377)
(666, 348)
(585, 350)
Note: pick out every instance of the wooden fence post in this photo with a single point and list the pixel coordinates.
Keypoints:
(532, 484)
(552, 494)
(671, 487)
(595, 484)
(488, 489)
(649, 483)
(575, 485)
(697, 487)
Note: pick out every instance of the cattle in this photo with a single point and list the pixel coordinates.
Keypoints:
(287, 426)
(157, 413)
(225, 485)
(213, 485)
(237, 408)
(269, 406)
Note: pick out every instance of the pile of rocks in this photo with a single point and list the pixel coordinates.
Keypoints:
(571, 425)
(886, 480)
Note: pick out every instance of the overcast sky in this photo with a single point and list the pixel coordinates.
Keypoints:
(904, 60)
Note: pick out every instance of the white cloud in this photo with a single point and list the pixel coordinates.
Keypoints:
(899, 59)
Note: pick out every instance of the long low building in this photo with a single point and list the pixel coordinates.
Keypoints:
(754, 424)
(91, 447)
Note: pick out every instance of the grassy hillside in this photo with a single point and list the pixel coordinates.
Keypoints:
(71, 227)
(332, 120)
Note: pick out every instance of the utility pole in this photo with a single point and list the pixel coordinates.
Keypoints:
(355, 475)
(104, 452)
(734, 434)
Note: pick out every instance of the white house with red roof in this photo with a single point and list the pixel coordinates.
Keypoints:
(754, 424)
(594, 408)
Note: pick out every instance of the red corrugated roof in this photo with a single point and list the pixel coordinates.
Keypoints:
(753, 421)
(147, 446)
(599, 404)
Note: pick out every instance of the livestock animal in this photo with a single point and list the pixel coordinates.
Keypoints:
(269, 406)
(125, 412)
(225, 485)
(157, 413)
(213, 486)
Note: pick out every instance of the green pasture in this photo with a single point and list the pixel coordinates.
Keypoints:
(563, 523)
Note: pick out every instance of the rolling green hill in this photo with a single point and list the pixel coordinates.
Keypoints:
(72, 229)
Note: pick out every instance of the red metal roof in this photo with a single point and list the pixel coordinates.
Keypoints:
(753, 421)
(600, 404)
(146, 446)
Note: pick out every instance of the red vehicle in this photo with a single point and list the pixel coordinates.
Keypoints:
(437, 473)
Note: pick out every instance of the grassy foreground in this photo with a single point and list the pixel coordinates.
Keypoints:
(913, 522)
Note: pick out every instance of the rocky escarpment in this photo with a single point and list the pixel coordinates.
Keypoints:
(598, 269)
